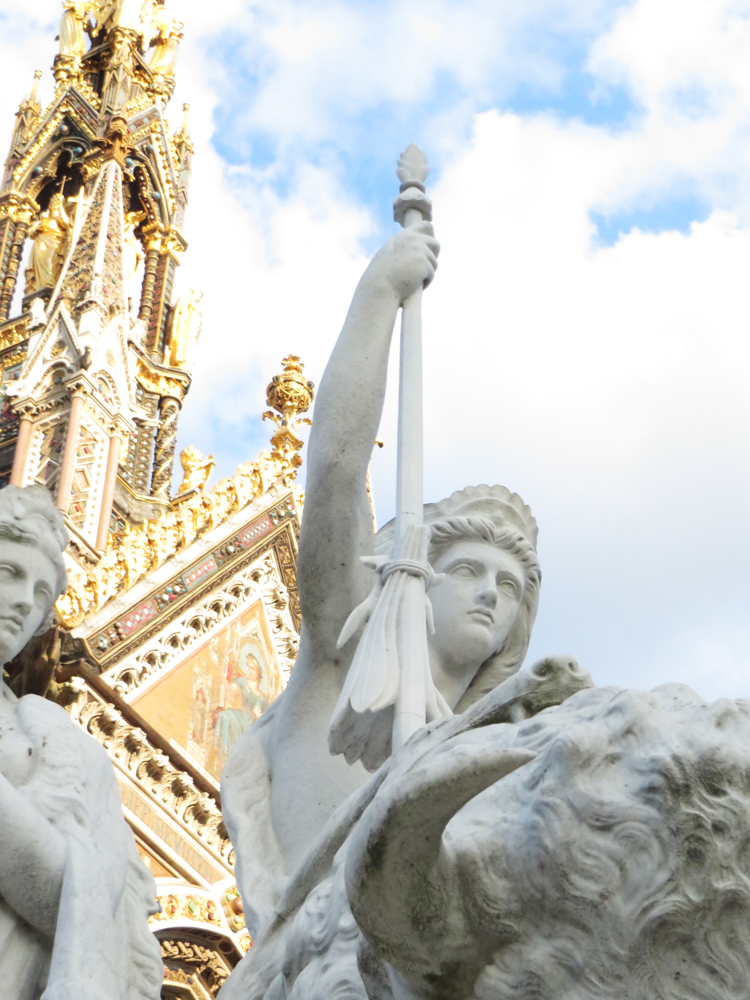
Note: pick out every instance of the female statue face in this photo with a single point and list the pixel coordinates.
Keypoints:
(28, 583)
(474, 609)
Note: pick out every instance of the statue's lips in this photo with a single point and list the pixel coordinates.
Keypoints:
(482, 615)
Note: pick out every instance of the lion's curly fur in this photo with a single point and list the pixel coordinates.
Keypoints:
(622, 869)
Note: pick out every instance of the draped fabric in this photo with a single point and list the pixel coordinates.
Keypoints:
(102, 949)
(72, 34)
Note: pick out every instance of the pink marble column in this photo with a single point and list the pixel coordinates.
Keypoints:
(68, 467)
(22, 451)
(110, 479)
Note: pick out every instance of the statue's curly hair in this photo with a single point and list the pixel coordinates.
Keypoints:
(28, 515)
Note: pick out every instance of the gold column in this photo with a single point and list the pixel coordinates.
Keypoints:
(19, 211)
(22, 450)
(166, 440)
(164, 250)
(11, 277)
(68, 466)
(7, 235)
(149, 279)
(108, 496)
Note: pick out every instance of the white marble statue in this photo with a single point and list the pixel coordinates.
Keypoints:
(483, 540)
(484, 610)
(544, 839)
(74, 894)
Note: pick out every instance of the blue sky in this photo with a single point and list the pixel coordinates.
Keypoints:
(586, 340)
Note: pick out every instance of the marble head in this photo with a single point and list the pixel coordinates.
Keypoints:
(465, 529)
(33, 539)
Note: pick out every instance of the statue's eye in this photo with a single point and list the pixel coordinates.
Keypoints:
(464, 571)
(508, 587)
(8, 572)
(42, 593)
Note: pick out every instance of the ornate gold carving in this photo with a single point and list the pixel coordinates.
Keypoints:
(18, 208)
(186, 325)
(138, 551)
(45, 135)
(178, 976)
(13, 359)
(163, 385)
(13, 333)
(210, 965)
(116, 144)
(166, 241)
(168, 786)
(196, 469)
(290, 394)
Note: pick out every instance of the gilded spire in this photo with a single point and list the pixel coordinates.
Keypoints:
(33, 98)
(28, 112)
(182, 135)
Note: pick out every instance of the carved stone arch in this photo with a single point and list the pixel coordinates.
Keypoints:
(64, 159)
(197, 959)
(42, 172)
(107, 389)
(61, 367)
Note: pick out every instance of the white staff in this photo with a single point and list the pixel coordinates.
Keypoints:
(391, 666)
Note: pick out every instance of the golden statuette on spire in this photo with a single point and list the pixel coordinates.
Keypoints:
(196, 470)
(73, 26)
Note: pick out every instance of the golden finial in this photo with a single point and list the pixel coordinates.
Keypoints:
(33, 99)
(184, 129)
(290, 394)
(182, 135)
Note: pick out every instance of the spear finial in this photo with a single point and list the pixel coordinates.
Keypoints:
(413, 170)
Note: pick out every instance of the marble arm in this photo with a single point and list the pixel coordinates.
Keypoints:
(337, 527)
(32, 860)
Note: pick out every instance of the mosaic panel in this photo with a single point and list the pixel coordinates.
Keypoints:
(212, 697)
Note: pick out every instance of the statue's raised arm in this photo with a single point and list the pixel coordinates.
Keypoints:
(281, 768)
(337, 527)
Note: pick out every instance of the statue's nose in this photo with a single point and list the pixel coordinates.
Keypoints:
(487, 592)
